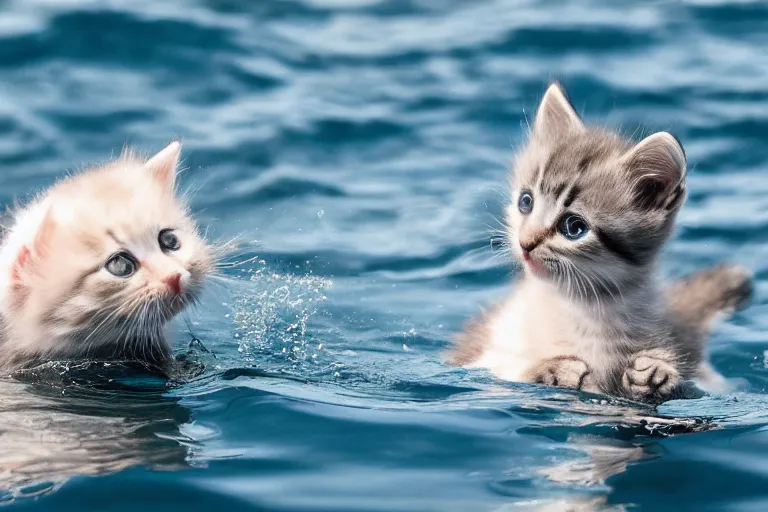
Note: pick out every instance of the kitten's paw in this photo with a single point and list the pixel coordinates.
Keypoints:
(652, 375)
(589, 384)
(566, 372)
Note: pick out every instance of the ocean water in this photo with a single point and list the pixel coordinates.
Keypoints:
(357, 151)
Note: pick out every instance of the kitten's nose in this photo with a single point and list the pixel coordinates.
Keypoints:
(174, 283)
(528, 245)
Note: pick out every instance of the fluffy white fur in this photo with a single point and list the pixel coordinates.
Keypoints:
(58, 299)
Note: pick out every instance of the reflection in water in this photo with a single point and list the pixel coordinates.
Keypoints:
(603, 459)
(55, 424)
(599, 439)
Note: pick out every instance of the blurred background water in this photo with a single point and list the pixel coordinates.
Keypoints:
(358, 149)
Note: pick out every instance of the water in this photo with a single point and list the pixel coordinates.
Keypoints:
(357, 150)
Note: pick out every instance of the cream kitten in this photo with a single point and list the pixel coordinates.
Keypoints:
(590, 214)
(99, 264)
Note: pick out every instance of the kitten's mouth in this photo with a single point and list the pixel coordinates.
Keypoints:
(536, 267)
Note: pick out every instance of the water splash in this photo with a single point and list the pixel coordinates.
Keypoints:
(272, 316)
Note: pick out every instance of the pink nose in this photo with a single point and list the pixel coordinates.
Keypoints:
(174, 283)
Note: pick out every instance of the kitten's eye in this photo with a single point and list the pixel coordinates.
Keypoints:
(525, 203)
(572, 226)
(168, 240)
(122, 264)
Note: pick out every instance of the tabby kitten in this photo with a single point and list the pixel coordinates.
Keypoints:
(99, 264)
(590, 213)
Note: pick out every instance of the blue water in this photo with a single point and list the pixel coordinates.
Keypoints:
(357, 150)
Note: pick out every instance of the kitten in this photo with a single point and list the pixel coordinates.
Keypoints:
(99, 264)
(590, 213)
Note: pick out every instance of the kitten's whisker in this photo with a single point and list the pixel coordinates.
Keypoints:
(579, 280)
(608, 286)
(235, 264)
(145, 312)
(95, 333)
(120, 310)
(221, 249)
(132, 330)
(594, 292)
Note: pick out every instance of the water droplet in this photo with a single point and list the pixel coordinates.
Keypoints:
(320, 214)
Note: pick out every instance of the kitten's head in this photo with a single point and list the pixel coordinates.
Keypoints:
(590, 210)
(100, 264)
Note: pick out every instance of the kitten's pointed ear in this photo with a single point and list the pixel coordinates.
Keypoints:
(658, 162)
(163, 165)
(36, 251)
(556, 116)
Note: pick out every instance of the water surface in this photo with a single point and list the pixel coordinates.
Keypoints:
(358, 149)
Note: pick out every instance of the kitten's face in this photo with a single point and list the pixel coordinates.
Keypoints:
(115, 257)
(590, 211)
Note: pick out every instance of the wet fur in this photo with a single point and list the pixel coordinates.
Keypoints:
(57, 300)
(601, 300)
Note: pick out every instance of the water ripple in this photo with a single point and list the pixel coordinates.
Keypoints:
(357, 152)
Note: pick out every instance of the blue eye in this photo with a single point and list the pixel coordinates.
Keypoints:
(572, 226)
(168, 240)
(525, 203)
(122, 264)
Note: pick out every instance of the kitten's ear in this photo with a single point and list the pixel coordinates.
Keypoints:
(556, 116)
(659, 164)
(36, 251)
(163, 165)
